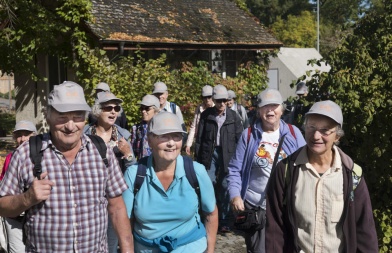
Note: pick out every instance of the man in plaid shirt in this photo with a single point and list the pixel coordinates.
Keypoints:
(67, 207)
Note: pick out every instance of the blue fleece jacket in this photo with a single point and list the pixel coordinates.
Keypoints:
(241, 163)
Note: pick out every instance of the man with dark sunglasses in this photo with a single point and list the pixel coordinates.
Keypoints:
(206, 94)
(218, 132)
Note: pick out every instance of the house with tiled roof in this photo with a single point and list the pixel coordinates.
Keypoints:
(218, 32)
(203, 28)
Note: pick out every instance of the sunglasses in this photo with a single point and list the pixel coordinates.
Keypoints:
(109, 108)
(219, 101)
(145, 108)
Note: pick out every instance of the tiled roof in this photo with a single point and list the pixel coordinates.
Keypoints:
(186, 22)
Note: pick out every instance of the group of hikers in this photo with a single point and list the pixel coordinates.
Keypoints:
(102, 186)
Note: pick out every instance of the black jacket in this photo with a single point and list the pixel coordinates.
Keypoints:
(230, 133)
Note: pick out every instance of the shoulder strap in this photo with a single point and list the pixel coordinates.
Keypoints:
(292, 131)
(249, 133)
(357, 175)
(173, 107)
(192, 178)
(287, 177)
(140, 175)
(191, 174)
(36, 154)
(239, 110)
(101, 146)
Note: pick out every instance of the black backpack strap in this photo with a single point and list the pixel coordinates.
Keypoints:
(140, 175)
(192, 178)
(101, 146)
(36, 154)
(173, 107)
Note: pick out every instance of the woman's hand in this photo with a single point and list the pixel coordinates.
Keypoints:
(124, 147)
(237, 204)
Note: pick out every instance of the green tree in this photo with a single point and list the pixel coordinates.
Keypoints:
(268, 11)
(360, 81)
(48, 27)
(296, 31)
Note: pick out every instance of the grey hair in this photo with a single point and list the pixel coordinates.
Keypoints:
(96, 110)
(339, 130)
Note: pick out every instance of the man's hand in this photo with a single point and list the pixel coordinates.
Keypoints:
(188, 150)
(237, 204)
(40, 189)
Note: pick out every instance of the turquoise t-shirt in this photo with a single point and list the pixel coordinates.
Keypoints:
(168, 213)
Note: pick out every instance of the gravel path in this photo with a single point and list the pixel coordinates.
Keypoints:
(230, 243)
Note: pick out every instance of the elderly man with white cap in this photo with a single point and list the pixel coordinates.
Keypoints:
(68, 203)
(206, 95)
(232, 104)
(218, 133)
(161, 92)
(317, 199)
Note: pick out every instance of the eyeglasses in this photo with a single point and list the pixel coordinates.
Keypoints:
(109, 108)
(323, 131)
(219, 101)
(145, 108)
(168, 137)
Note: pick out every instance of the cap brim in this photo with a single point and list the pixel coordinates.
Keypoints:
(168, 131)
(23, 129)
(158, 91)
(113, 99)
(71, 107)
(269, 103)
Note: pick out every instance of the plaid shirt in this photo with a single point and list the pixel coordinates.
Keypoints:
(74, 217)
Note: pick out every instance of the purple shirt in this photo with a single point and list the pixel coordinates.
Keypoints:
(74, 217)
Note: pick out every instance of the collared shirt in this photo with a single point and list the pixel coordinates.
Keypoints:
(220, 119)
(319, 206)
(172, 212)
(74, 217)
(178, 111)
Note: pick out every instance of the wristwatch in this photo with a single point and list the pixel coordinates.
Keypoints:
(129, 157)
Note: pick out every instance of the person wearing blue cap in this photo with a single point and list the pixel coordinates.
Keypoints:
(317, 199)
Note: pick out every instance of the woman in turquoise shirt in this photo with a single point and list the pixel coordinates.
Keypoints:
(165, 209)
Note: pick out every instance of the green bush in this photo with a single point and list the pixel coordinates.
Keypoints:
(360, 81)
(130, 78)
(7, 123)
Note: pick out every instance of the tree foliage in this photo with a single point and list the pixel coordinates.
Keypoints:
(47, 27)
(269, 10)
(57, 29)
(360, 81)
(296, 31)
(132, 77)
